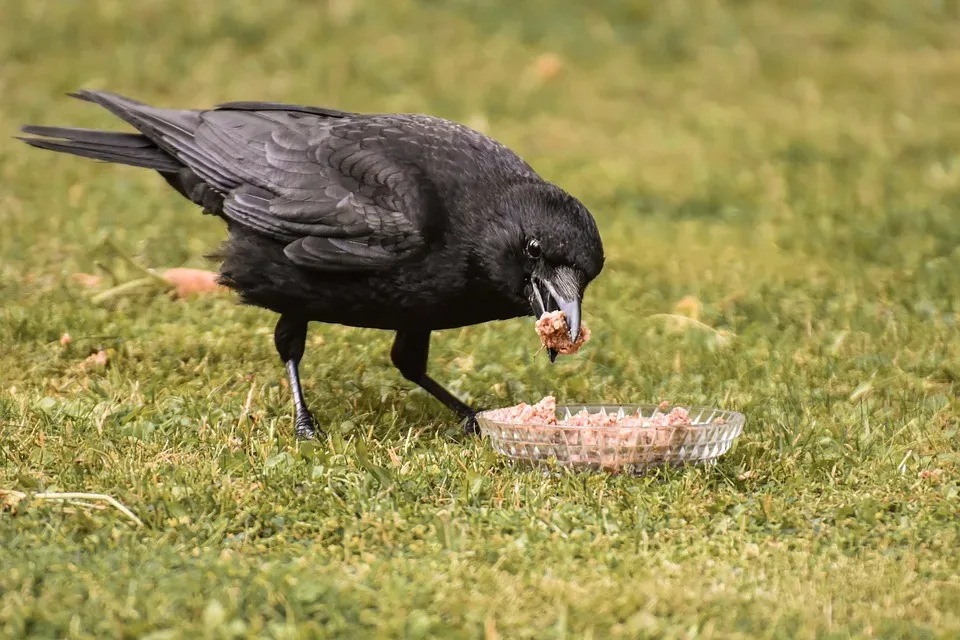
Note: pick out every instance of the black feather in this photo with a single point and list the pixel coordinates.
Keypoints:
(123, 148)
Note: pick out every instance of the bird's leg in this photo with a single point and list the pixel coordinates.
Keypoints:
(290, 336)
(409, 355)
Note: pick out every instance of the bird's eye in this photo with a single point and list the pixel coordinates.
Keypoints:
(533, 249)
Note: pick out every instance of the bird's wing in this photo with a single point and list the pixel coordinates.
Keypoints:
(326, 186)
(320, 180)
(331, 190)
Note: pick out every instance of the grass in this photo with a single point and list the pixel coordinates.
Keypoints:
(792, 166)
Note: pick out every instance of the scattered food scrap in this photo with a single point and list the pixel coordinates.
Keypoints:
(190, 281)
(86, 279)
(96, 360)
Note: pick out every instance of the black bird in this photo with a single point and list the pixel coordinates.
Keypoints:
(404, 222)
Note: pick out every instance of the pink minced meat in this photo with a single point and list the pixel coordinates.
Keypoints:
(545, 413)
(553, 332)
(611, 433)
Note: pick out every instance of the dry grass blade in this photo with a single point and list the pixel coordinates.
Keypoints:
(123, 288)
(80, 499)
(722, 336)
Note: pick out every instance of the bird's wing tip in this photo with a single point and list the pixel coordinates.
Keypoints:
(32, 130)
(80, 94)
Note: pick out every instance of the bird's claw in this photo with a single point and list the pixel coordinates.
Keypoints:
(470, 425)
(306, 426)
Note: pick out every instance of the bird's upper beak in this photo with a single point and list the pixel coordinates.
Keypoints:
(557, 291)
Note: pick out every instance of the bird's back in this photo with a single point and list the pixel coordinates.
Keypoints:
(454, 157)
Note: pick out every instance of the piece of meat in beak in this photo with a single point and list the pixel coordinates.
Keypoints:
(557, 289)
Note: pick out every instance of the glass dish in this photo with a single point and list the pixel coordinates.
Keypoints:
(631, 450)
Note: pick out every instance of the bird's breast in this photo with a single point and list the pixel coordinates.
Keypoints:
(434, 294)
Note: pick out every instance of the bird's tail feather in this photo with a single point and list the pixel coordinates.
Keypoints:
(110, 146)
(168, 128)
(153, 148)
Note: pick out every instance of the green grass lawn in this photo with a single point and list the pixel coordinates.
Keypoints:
(792, 166)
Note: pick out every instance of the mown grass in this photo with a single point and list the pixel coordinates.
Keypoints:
(791, 165)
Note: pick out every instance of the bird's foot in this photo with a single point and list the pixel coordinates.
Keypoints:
(470, 425)
(306, 426)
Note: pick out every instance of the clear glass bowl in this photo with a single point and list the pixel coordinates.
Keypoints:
(631, 450)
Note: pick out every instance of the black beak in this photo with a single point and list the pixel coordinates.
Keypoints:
(545, 297)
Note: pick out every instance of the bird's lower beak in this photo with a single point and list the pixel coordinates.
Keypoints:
(546, 298)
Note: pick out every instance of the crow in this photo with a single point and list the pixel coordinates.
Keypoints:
(402, 222)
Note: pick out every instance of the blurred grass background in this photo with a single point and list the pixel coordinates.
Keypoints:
(785, 172)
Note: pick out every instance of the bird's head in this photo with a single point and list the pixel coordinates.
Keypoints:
(543, 249)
